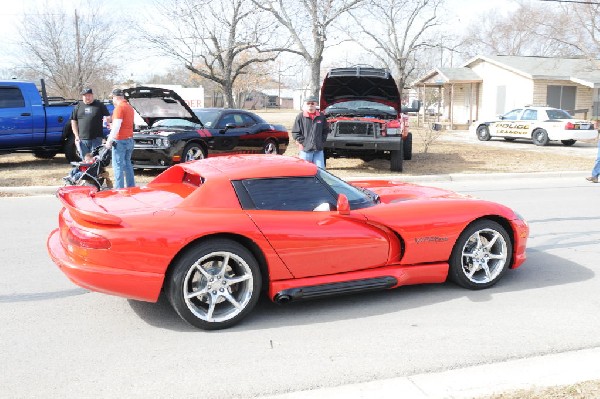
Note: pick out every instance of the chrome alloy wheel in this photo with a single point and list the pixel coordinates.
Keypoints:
(484, 256)
(270, 147)
(218, 286)
(193, 153)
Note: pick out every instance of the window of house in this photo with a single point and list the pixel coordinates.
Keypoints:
(11, 97)
(562, 97)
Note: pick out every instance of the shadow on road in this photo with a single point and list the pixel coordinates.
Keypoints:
(541, 270)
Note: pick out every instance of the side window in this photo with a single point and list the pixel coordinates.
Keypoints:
(11, 97)
(512, 115)
(247, 120)
(229, 118)
(286, 194)
(530, 115)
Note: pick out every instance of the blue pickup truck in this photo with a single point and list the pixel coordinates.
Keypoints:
(30, 121)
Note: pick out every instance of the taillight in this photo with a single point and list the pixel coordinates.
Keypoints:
(570, 126)
(86, 239)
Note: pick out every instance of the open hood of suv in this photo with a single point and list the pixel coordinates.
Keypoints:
(153, 104)
(360, 83)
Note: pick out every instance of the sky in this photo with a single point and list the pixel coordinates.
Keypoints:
(460, 13)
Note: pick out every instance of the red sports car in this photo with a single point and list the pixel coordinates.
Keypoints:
(212, 234)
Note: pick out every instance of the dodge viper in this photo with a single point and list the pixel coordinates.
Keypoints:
(213, 234)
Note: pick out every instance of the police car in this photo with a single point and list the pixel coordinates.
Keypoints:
(539, 124)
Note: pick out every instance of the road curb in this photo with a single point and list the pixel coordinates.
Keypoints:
(51, 190)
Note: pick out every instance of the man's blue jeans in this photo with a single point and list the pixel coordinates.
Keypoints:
(87, 146)
(596, 169)
(121, 163)
(316, 157)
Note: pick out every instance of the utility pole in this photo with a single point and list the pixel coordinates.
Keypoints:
(78, 45)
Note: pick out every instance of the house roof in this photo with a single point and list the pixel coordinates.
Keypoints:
(578, 70)
(441, 76)
(583, 71)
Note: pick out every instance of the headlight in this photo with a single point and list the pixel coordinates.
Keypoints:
(162, 142)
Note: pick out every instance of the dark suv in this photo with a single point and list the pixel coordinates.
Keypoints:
(367, 121)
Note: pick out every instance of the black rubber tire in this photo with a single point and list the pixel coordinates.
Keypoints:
(396, 158)
(70, 149)
(483, 133)
(540, 137)
(408, 143)
(45, 154)
(484, 229)
(568, 143)
(270, 147)
(184, 277)
(193, 152)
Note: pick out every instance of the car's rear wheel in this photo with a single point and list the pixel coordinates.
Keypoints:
(568, 143)
(483, 133)
(408, 147)
(481, 255)
(270, 147)
(193, 152)
(540, 137)
(214, 284)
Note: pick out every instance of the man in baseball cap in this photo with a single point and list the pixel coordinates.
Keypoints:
(121, 134)
(310, 131)
(86, 122)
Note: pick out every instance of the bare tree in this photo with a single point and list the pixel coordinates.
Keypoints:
(308, 22)
(217, 40)
(69, 49)
(576, 27)
(530, 29)
(395, 30)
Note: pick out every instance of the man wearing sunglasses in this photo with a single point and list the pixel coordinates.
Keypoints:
(310, 132)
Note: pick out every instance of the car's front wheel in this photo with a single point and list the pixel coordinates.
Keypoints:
(270, 147)
(540, 137)
(481, 255)
(568, 143)
(214, 284)
(193, 152)
(483, 133)
(396, 158)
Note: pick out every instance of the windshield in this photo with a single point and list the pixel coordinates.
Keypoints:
(361, 104)
(175, 123)
(208, 117)
(356, 197)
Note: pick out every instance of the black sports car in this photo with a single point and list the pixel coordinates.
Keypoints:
(176, 133)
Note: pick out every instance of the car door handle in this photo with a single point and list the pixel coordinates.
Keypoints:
(26, 114)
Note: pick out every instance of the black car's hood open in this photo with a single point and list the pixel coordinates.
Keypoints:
(153, 104)
(360, 83)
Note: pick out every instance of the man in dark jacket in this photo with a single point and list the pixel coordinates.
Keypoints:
(310, 132)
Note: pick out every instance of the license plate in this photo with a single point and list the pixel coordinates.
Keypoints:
(584, 126)
(145, 142)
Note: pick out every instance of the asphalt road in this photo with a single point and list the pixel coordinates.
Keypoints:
(58, 340)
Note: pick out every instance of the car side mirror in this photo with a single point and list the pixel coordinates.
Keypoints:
(343, 206)
(228, 126)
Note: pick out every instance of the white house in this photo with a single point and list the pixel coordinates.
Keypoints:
(487, 86)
